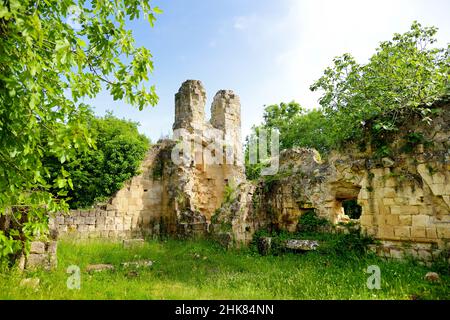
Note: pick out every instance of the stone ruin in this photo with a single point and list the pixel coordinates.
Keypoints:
(182, 180)
(183, 185)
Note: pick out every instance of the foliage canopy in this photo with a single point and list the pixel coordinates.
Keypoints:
(49, 62)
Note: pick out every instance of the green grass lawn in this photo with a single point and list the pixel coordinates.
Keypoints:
(202, 270)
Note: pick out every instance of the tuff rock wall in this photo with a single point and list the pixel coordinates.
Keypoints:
(405, 198)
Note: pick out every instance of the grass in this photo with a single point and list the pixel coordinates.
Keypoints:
(203, 270)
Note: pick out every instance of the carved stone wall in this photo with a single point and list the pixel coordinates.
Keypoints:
(405, 198)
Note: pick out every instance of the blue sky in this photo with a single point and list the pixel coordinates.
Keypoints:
(266, 51)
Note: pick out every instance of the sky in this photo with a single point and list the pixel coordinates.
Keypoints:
(265, 51)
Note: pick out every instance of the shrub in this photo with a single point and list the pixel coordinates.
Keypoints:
(309, 222)
(352, 243)
(441, 264)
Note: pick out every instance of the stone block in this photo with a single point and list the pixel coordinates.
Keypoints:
(426, 210)
(388, 162)
(402, 232)
(52, 247)
(431, 233)
(418, 232)
(404, 210)
(31, 283)
(34, 261)
(397, 210)
(423, 246)
(111, 213)
(424, 255)
(388, 201)
(104, 234)
(391, 182)
(69, 220)
(302, 245)
(127, 220)
(366, 219)
(443, 232)
(109, 220)
(386, 232)
(99, 268)
(413, 209)
(112, 234)
(420, 220)
(59, 220)
(90, 220)
(389, 193)
(79, 220)
(405, 220)
(396, 253)
(392, 220)
(146, 219)
(37, 247)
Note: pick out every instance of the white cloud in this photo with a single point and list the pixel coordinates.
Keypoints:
(244, 22)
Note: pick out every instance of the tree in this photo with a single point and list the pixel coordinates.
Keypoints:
(298, 126)
(366, 103)
(402, 80)
(98, 173)
(46, 68)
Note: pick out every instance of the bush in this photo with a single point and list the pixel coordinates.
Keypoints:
(352, 243)
(312, 227)
(309, 222)
(441, 264)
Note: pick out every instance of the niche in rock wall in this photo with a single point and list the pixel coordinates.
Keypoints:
(346, 205)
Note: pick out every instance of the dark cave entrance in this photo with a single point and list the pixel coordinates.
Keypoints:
(352, 209)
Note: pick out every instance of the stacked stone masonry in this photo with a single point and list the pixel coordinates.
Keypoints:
(43, 254)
